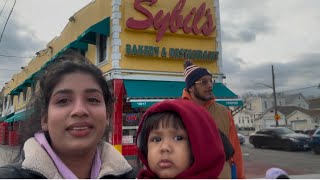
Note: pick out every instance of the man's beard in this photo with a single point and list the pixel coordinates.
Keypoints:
(202, 98)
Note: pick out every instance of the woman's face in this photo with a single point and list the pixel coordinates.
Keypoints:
(77, 115)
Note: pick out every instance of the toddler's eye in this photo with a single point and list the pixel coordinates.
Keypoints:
(178, 138)
(156, 139)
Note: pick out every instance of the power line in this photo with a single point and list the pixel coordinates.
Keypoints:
(11, 56)
(7, 20)
(301, 88)
(3, 6)
(8, 70)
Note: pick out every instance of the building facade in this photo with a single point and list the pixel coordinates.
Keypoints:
(140, 46)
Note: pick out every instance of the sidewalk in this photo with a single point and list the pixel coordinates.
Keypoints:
(305, 176)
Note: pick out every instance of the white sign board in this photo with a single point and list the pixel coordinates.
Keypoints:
(127, 139)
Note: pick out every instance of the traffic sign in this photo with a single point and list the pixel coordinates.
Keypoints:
(277, 117)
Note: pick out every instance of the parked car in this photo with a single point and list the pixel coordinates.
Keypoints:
(315, 142)
(241, 138)
(299, 131)
(279, 137)
(309, 132)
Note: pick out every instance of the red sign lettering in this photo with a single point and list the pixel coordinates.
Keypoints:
(132, 117)
(174, 20)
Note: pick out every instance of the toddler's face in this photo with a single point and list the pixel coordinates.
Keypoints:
(169, 151)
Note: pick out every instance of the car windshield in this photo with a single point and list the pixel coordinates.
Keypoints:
(283, 131)
(317, 132)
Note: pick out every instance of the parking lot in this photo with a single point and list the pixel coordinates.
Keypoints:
(296, 163)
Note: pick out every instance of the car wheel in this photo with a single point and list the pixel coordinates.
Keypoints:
(288, 146)
(316, 150)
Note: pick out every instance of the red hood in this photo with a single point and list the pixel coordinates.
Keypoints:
(206, 144)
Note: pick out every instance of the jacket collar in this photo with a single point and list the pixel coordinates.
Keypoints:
(37, 159)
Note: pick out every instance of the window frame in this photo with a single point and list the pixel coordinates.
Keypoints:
(102, 45)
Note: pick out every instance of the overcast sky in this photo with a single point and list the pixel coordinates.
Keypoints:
(255, 35)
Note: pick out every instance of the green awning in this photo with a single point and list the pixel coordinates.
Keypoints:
(30, 80)
(76, 45)
(17, 90)
(102, 27)
(14, 92)
(2, 118)
(143, 93)
(18, 117)
(6, 117)
(221, 91)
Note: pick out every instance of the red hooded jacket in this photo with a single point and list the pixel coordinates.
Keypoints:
(204, 137)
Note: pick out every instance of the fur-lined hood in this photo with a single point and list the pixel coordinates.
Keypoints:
(37, 160)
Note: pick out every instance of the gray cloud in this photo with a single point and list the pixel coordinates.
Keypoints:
(256, 34)
(19, 41)
(304, 71)
(243, 21)
(246, 31)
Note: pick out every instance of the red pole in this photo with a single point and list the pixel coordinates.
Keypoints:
(118, 89)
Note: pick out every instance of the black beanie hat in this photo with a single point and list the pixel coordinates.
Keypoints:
(192, 73)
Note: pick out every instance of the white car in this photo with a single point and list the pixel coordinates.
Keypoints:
(241, 138)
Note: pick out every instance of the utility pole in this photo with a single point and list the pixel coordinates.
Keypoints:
(275, 99)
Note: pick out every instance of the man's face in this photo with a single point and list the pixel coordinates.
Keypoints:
(202, 88)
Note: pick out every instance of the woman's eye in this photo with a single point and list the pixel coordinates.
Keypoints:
(94, 100)
(63, 101)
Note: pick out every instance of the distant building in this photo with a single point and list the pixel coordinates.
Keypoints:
(244, 120)
(296, 100)
(301, 120)
(267, 120)
(294, 117)
(314, 103)
(293, 110)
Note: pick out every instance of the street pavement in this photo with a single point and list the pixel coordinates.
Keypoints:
(299, 165)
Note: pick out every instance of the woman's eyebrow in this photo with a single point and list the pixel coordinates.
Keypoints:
(62, 91)
(93, 90)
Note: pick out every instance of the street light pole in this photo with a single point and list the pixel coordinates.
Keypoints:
(275, 98)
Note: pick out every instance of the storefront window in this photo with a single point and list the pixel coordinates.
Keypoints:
(130, 121)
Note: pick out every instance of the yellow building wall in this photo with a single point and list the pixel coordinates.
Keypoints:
(86, 17)
(169, 40)
(100, 9)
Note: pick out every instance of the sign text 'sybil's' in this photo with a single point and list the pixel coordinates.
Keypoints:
(174, 20)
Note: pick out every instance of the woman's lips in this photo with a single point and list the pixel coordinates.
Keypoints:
(80, 129)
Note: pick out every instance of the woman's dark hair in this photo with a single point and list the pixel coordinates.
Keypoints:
(154, 121)
(51, 75)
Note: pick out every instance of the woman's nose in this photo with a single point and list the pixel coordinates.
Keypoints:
(79, 109)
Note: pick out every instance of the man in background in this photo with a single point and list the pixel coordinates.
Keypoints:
(199, 85)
